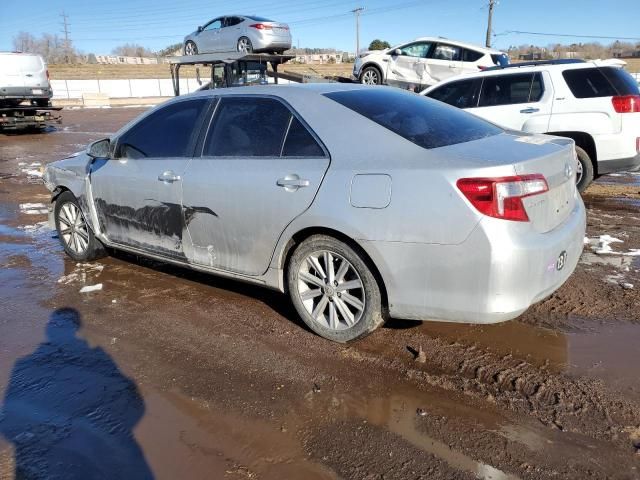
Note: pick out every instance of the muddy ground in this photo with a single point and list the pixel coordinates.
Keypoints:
(167, 374)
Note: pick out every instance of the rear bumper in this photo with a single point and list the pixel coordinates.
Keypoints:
(619, 165)
(493, 276)
(27, 93)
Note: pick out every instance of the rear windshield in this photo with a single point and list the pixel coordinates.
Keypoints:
(259, 19)
(20, 63)
(600, 82)
(425, 122)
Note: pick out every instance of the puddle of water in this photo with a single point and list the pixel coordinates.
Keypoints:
(397, 413)
(624, 178)
(612, 204)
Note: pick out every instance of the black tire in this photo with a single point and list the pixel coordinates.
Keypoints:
(190, 48)
(371, 76)
(244, 45)
(93, 249)
(365, 320)
(586, 164)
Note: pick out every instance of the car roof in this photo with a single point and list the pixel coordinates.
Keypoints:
(525, 68)
(454, 42)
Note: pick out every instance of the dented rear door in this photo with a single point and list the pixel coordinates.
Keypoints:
(261, 168)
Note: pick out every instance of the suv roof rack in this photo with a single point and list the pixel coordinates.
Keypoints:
(559, 61)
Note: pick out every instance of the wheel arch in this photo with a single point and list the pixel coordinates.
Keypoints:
(301, 235)
(584, 141)
(375, 65)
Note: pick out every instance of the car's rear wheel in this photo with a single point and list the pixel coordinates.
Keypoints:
(584, 173)
(371, 76)
(244, 45)
(190, 48)
(333, 290)
(74, 233)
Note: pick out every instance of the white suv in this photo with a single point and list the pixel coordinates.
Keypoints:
(423, 62)
(597, 104)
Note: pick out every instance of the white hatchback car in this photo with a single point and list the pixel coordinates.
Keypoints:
(423, 62)
(597, 104)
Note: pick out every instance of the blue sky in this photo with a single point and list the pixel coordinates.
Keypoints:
(99, 25)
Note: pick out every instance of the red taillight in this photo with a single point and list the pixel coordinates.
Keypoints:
(502, 197)
(261, 26)
(626, 104)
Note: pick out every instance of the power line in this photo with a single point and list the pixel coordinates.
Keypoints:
(602, 37)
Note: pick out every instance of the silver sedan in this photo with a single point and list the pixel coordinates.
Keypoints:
(360, 202)
(242, 33)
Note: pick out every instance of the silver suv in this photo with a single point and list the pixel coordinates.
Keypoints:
(24, 76)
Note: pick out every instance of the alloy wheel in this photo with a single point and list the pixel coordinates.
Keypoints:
(579, 173)
(331, 290)
(190, 48)
(73, 228)
(244, 45)
(370, 77)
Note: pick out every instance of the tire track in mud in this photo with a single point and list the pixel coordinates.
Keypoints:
(579, 405)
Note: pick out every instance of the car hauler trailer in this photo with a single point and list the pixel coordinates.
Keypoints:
(28, 117)
(232, 69)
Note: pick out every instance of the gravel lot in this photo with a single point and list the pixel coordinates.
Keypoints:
(166, 373)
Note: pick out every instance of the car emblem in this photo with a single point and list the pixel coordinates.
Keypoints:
(568, 170)
(562, 260)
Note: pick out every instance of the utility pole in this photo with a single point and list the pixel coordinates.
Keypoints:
(65, 24)
(492, 4)
(357, 13)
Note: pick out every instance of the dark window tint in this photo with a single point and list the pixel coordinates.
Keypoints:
(600, 82)
(461, 94)
(447, 52)
(511, 89)
(471, 55)
(231, 21)
(300, 143)
(259, 19)
(624, 83)
(248, 127)
(419, 119)
(168, 132)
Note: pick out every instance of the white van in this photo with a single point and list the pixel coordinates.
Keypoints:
(24, 76)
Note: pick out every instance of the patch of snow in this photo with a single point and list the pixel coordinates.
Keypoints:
(91, 288)
(35, 227)
(32, 173)
(34, 208)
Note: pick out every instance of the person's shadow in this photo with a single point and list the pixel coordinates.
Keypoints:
(70, 412)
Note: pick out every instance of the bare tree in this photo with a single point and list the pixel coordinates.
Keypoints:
(133, 50)
(51, 47)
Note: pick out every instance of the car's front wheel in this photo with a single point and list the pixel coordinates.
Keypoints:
(584, 173)
(333, 290)
(190, 48)
(75, 235)
(371, 76)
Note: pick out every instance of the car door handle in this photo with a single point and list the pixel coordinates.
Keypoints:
(530, 110)
(292, 182)
(168, 176)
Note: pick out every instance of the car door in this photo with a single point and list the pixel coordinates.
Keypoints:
(407, 67)
(34, 72)
(519, 101)
(260, 168)
(231, 32)
(11, 75)
(460, 93)
(209, 37)
(137, 194)
(445, 60)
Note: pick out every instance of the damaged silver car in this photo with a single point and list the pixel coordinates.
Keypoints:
(360, 202)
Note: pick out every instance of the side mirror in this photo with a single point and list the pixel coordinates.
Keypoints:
(100, 149)
(200, 28)
(397, 51)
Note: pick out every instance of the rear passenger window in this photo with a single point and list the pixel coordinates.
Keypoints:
(511, 89)
(447, 52)
(168, 132)
(461, 94)
(300, 143)
(599, 82)
(256, 127)
(471, 55)
(247, 127)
